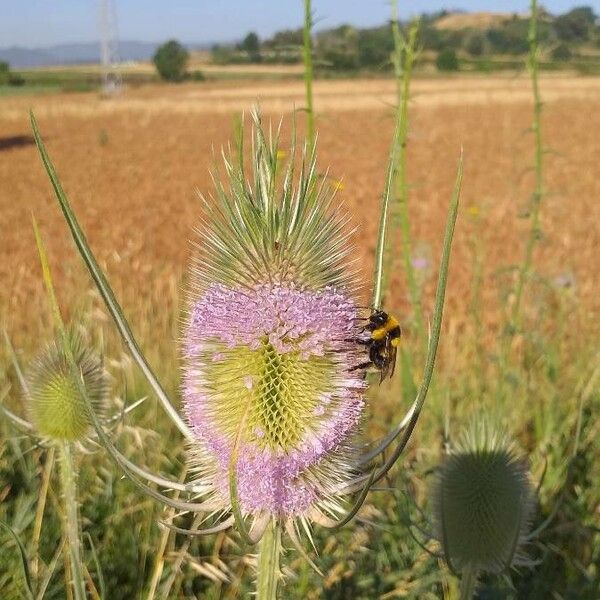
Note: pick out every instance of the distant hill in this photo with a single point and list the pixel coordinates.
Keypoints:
(88, 52)
(476, 20)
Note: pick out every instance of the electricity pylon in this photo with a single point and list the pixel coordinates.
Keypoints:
(109, 48)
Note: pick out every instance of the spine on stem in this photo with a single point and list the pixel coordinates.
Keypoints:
(69, 492)
(268, 562)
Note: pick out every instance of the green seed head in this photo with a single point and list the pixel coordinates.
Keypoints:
(57, 409)
(282, 391)
(482, 502)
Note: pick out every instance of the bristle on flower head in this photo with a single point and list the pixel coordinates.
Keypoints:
(57, 409)
(268, 344)
(483, 502)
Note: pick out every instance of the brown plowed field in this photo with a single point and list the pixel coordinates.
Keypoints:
(131, 165)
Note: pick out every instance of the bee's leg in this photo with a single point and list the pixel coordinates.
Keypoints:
(361, 366)
(362, 341)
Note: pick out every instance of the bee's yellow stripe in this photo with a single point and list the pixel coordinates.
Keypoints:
(395, 342)
(391, 323)
(379, 333)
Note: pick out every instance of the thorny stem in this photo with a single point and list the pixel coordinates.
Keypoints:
(468, 584)
(67, 469)
(308, 73)
(534, 233)
(404, 57)
(159, 561)
(69, 487)
(39, 513)
(268, 562)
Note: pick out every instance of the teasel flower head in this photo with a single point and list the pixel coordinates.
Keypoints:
(268, 346)
(483, 502)
(56, 408)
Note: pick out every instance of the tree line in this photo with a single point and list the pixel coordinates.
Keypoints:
(350, 48)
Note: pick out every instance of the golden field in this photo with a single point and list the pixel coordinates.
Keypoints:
(131, 165)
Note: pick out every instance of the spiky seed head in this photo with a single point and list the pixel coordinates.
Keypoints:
(483, 502)
(268, 344)
(56, 407)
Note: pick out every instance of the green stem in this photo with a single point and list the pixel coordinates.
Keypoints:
(468, 584)
(534, 233)
(308, 73)
(69, 492)
(39, 513)
(268, 562)
(404, 57)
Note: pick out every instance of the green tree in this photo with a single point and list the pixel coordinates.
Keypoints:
(171, 61)
(447, 60)
(251, 46)
(375, 47)
(475, 44)
(575, 25)
(561, 52)
(338, 48)
(251, 43)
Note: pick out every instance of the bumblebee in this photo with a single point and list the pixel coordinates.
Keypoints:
(383, 342)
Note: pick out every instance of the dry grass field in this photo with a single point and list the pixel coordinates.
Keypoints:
(131, 166)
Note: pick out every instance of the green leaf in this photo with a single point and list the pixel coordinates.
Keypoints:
(23, 557)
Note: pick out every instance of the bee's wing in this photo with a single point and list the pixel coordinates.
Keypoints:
(393, 354)
(386, 366)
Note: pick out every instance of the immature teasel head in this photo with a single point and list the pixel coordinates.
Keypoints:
(483, 500)
(268, 350)
(56, 407)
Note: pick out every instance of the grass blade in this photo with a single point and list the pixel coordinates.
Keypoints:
(23, 557)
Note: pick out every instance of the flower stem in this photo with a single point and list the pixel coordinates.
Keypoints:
(403, 58)
(39, 513)
(468, 584)
(268, 562)
(308, 73)
(69, 492)
(534, 232)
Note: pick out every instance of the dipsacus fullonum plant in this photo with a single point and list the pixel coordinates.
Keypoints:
(483, 501)
(272, 397)
(53, 400)
(269, 343)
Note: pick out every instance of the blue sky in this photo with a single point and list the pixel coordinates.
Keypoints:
(37, 23)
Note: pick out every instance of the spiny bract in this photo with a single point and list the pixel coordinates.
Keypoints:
(57, 409)
(483, 502)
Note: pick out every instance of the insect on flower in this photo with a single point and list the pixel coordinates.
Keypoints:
(382, 343)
